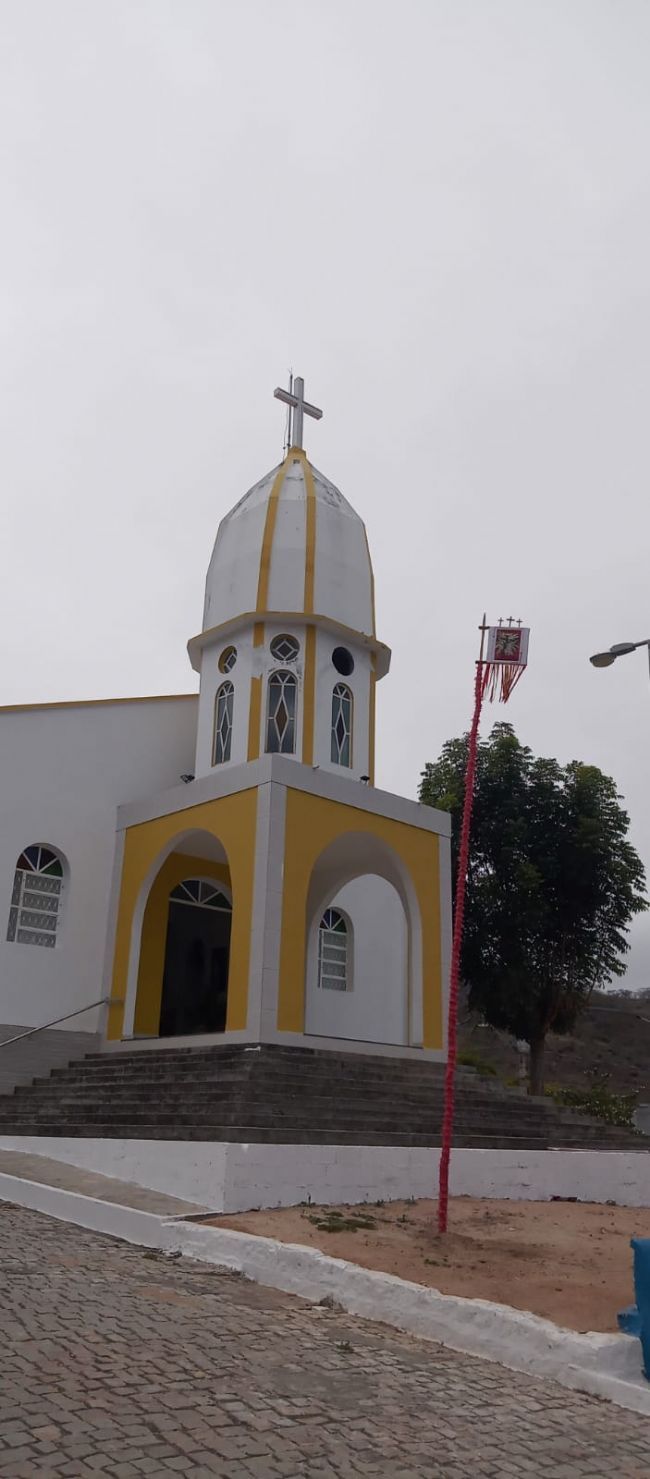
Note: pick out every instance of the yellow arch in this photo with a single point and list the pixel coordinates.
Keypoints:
(232, 821)
(177, 867)
(312, 824)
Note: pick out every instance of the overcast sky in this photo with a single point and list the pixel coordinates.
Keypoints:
(438, 212)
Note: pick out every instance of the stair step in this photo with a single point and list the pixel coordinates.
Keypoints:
(287, 1095)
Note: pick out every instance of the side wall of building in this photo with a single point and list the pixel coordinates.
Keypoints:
(64, 770)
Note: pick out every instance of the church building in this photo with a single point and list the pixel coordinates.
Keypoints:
(219, 866)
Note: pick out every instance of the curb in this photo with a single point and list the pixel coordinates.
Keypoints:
(607, 1366)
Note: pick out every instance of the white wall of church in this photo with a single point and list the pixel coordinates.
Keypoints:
(375, 1009)
(64, 771)
(234, 569)
(343, 577)
(251, 662)
(258, 662)
(286, 590)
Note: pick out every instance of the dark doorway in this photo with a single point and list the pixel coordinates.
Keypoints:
(195, 977)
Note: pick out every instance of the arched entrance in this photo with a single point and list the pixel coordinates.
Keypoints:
(378, 996)
(357, 965)
(197, 951)
(175, 906)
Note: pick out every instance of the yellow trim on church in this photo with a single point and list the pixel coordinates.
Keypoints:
(232, 821)
(254, 719)
(96, 703)
(311, 824)
(267, 538)
(309, 697)
(295, 454)
(310, 538)
(282, 619)
(176, 868)
(372, 710)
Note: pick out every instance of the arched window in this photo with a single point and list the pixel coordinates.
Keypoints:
(281, 714)
(223, 707)
(341, 751)
(36, 898)
(334, 952)
(201, 894)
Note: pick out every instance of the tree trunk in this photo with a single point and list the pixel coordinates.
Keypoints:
(536, 1079)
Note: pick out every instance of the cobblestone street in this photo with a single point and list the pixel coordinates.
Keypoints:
(121, 1362)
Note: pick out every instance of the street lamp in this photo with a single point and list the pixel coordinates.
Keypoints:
(619, 649)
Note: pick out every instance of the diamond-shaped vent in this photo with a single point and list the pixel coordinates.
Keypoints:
(285, 648)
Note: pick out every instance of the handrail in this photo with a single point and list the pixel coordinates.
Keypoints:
(7, 1041)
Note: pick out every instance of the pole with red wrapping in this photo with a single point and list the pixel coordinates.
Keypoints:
(507, 656)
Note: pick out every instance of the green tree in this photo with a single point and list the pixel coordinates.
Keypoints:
(552, 885)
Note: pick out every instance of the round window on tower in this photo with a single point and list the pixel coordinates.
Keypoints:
(343, 661)
(227, 660)
(285, 648)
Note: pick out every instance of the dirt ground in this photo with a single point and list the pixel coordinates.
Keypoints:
(568, 1261)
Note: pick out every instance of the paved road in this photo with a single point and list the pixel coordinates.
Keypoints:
(123, 1363)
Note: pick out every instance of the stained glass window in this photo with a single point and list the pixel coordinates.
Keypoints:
(223, 711)
(281, 714)
(341, 749)
(333, 953)
(36, 898)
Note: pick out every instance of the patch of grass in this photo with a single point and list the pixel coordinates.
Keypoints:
(470, 1058)
(597, 1099)
(339, 1222)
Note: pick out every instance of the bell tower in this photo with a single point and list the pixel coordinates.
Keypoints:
(323, 905)
(288, 657)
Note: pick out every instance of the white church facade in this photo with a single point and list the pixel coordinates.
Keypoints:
(220, 867)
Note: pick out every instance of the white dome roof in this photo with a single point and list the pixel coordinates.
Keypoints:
(293, 544)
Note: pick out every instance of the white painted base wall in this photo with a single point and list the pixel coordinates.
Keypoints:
(237, 1178)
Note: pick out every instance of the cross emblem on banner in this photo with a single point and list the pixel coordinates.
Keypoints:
(294, 398)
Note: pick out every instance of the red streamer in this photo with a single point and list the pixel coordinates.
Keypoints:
(499, 679)
(482, 678)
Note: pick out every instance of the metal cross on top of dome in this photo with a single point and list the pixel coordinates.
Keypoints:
(294, 398)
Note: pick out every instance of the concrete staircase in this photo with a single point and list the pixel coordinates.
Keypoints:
(22, 1062)
(289, 1095)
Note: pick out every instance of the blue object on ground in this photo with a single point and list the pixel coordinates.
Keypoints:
(641, 1249)
(629, 1321)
